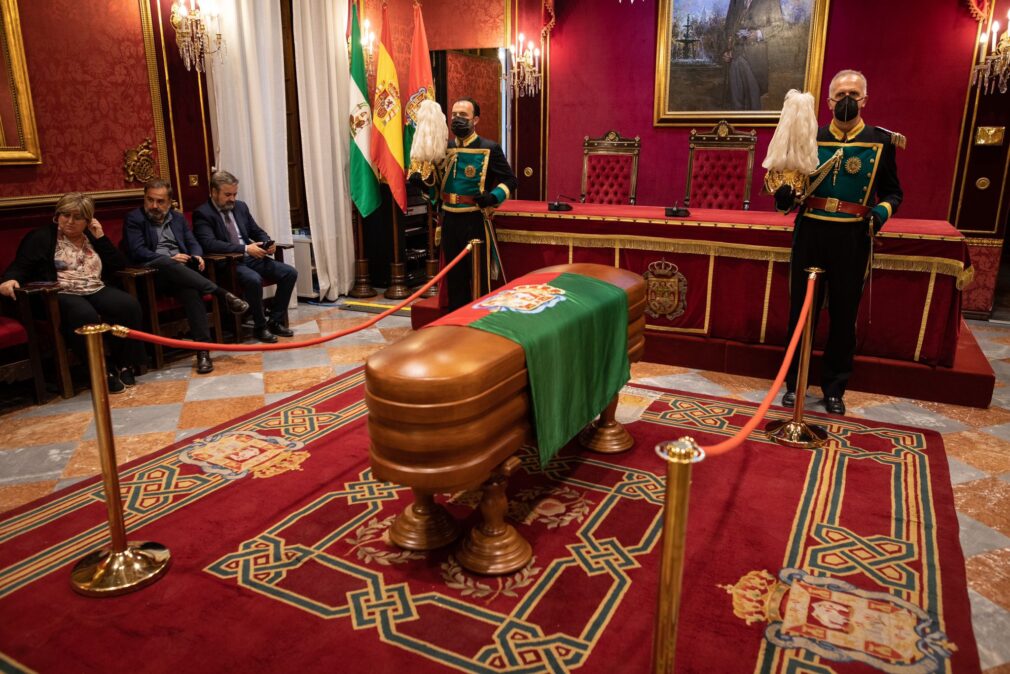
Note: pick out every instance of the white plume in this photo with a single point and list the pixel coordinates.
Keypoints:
(431, 137)
(794, 145)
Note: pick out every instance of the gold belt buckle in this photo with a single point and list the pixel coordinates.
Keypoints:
(832, 205)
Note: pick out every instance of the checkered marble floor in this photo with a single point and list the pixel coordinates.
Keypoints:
(44, 448)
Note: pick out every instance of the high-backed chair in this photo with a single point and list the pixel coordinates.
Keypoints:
(610, 169)
(230, 280)
(720, 167)
(24, 341)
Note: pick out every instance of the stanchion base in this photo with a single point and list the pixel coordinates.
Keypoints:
(494, 555)
(792, 433)
(362, 284)
(606, 438)
(430, 269)
(413, 530)
(104, 573)
(397, 289)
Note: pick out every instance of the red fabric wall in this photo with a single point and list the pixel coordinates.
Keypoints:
(459, 24)
(90, 90)
(476, 77)
(916, 58)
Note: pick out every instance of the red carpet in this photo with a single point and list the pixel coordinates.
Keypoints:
(844, 559)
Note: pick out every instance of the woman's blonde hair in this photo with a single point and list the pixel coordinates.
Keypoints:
(76, 202)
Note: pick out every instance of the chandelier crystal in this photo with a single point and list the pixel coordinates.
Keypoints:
(992, 73)
(196, 32)
(524, 75)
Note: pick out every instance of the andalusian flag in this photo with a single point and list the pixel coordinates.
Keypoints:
(574, 332)
(364, 186)
(420, 84)
(387, 121)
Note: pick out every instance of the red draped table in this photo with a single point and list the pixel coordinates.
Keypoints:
(723, 274)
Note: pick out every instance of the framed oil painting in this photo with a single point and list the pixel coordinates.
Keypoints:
(19, 141)
(735, 59)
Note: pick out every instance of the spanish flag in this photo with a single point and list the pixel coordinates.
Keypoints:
(387, 121)
(420, 85)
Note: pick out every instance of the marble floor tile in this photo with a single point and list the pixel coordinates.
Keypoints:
(985, 451)
(296, 380)
(225, 386)
(985, 500)
(152, 419)
(302, 329)
(369, 336)
(990, 621)
(30, 464)
(977, 538)
(974, 417)
(295, 359)
(201, 415)
(961, 472)
(342, 355)
(643, 370)
(234, 362)
(33, 431)
(15, 495)
(910, 414)
(989, 575)
(395, 334)
(85, 460)
(693, 382)
(79, 403)
(150, 393)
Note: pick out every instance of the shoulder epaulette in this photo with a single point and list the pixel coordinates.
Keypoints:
(897, 139)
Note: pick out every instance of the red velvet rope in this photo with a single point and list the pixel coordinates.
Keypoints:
(741, 435)
(208, 346)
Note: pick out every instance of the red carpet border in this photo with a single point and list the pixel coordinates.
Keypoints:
(843, 558)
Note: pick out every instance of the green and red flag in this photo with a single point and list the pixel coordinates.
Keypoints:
(387, 120)
(420, 84)
(574, 332)
(363, 183)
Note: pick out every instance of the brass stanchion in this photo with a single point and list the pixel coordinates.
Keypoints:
(122, 567)
(796, 432)
(397, 289)
(362, 281)
(431, 264)
(679, 456)
(475, 267)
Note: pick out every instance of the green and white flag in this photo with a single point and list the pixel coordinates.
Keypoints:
(364, 185)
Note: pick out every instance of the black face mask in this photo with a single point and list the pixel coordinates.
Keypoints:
(846, 109)
(461, 127)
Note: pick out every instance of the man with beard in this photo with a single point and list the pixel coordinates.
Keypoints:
(225, 225)
(158, 236)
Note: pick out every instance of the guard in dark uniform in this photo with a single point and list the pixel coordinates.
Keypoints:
(476, 178)
(852, 194)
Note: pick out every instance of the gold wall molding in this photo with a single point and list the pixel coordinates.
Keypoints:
(138, 163)
(51, 199)
(26, 149)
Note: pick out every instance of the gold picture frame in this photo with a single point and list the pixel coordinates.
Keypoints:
(735, 60)
(19, 140)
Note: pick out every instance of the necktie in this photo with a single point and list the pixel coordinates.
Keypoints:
(232, 228)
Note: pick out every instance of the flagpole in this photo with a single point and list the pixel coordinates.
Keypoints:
(397, 289)
(431, 264)
(362, 282)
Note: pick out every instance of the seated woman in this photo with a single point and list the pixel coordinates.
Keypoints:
(75, 252)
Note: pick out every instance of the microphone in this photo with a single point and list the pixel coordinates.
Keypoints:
(557, 204)
(676, 211)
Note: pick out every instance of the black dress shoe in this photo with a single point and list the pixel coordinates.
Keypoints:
(204, 364)
(834, 405)
(789, 399)
(235, 304)
(126, 376)
(280, 330)
(264, 335)
(115, 384)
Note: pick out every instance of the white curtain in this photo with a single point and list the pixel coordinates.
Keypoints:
(323, 78)
(246, 89)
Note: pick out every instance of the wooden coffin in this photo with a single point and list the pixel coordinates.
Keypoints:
(448, 405)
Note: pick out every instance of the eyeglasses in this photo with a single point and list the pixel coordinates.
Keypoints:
(76, 217)
(857, 99)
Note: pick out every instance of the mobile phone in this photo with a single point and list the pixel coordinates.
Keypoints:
(265, 245)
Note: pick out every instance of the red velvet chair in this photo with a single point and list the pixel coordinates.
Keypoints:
(720, 167)
(610, 169)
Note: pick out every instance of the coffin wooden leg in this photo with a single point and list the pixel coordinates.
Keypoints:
(424, 525)
(606, 435)
(494, 547)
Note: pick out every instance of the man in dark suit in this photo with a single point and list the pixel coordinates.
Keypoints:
(158, 236)
(225, 225)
